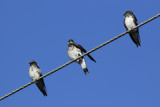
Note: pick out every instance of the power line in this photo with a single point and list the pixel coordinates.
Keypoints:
(111, 40)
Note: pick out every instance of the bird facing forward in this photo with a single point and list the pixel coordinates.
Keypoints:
(35, 73)
(74, 51)
(130, 22)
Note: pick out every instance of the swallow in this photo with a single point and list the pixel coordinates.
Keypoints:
(74, 51)
(130, 22)
(35, 73)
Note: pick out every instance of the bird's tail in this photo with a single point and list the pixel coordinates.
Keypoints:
(40, 84)
(135, 37)
(85, 70)
(83, 65)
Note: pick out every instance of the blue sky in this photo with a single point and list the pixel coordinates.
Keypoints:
(124, 75)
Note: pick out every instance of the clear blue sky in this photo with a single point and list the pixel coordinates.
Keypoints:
(124, 75)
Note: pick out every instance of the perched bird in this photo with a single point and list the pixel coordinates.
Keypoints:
(130, 21)
(35, 73)
(74, 51)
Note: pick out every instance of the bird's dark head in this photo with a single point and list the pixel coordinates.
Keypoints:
(33, 63)
(70, 41)
(128, 13)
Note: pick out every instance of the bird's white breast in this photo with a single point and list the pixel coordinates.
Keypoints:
(74, 52)
(33, 73)
(129, 22)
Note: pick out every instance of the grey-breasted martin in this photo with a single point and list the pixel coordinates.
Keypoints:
(74, 51)
(130, 21)
(35, 73)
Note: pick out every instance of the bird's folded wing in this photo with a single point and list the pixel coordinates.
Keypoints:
(81, 48)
